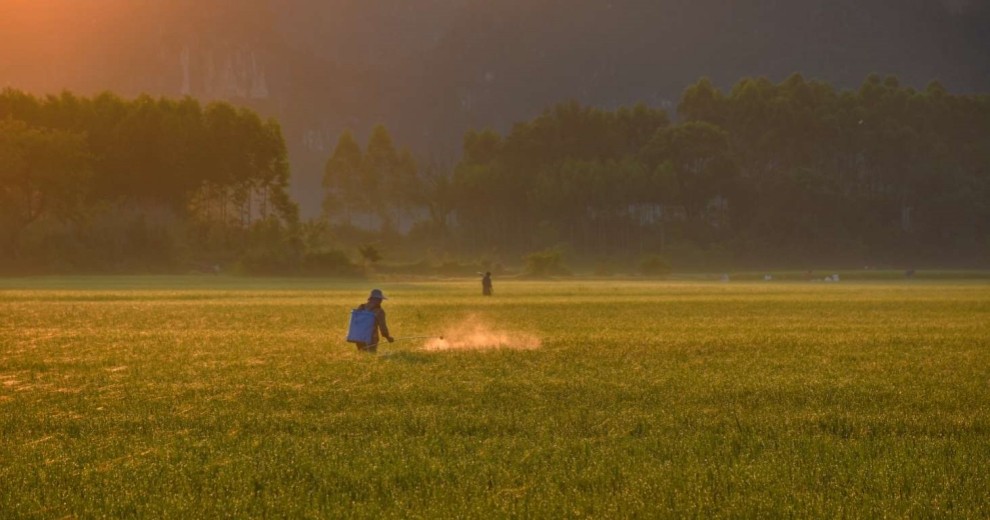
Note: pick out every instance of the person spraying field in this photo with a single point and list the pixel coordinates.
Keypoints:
(367, 320)
(486, 284)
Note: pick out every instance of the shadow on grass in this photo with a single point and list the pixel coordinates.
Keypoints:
(406, 357)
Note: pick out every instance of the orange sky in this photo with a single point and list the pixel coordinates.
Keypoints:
(41, 40)
(52, 27)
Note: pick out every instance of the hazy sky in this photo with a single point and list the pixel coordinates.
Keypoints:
(430, 69)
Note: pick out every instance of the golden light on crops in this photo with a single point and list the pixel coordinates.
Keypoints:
(647, 399)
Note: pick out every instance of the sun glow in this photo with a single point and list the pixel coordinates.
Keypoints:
(51, 44)
(51, 26)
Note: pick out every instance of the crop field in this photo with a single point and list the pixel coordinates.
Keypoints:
(219, 397)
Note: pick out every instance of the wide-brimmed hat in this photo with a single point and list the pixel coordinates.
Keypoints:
(376, 294)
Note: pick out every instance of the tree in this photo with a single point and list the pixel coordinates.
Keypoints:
(481, 147)
(42, 172)
(702, 102)
(342, 178)
(698, 153)
(380, 174)
(369, 254)
(151, 165)
(406, 188)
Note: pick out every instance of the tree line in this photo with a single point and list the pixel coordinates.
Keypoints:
(104, 183)
(791, 174)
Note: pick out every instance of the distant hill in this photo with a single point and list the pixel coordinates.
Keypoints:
(430, 69)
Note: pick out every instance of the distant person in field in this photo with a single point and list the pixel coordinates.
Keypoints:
(375, 305)
(486, 284)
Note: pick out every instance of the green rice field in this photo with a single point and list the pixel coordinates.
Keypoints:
(214, 397)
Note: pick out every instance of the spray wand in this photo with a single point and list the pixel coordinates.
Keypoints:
(406, 338)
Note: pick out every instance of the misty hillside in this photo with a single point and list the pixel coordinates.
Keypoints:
(431, 69)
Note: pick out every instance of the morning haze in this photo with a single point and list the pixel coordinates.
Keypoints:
(435, 73)
(460, 259)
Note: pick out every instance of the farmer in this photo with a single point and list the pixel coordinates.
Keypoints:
(486, 284)
(375, 305)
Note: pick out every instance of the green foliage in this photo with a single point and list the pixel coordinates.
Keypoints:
(343, 194)
(43, 172)
(329, 263)
(268, 250)
(788, 173)
(702, 102)
(222, 397)
(370, 254)
(381, 181)
(481, 147)
(655, 265)
(549, 262)
(164, 167)
(795, 172)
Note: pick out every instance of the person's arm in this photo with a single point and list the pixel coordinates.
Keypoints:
(383, 326)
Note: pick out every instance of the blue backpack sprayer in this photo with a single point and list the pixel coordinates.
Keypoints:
(362, 326)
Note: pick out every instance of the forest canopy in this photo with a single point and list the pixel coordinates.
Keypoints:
(788, 174)
(104, 183)
(794, 173)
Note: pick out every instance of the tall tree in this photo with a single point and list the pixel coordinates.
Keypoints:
(342, 179)
(42, 172)
(380, 176)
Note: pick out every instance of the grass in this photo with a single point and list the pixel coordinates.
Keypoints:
(216, 397)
